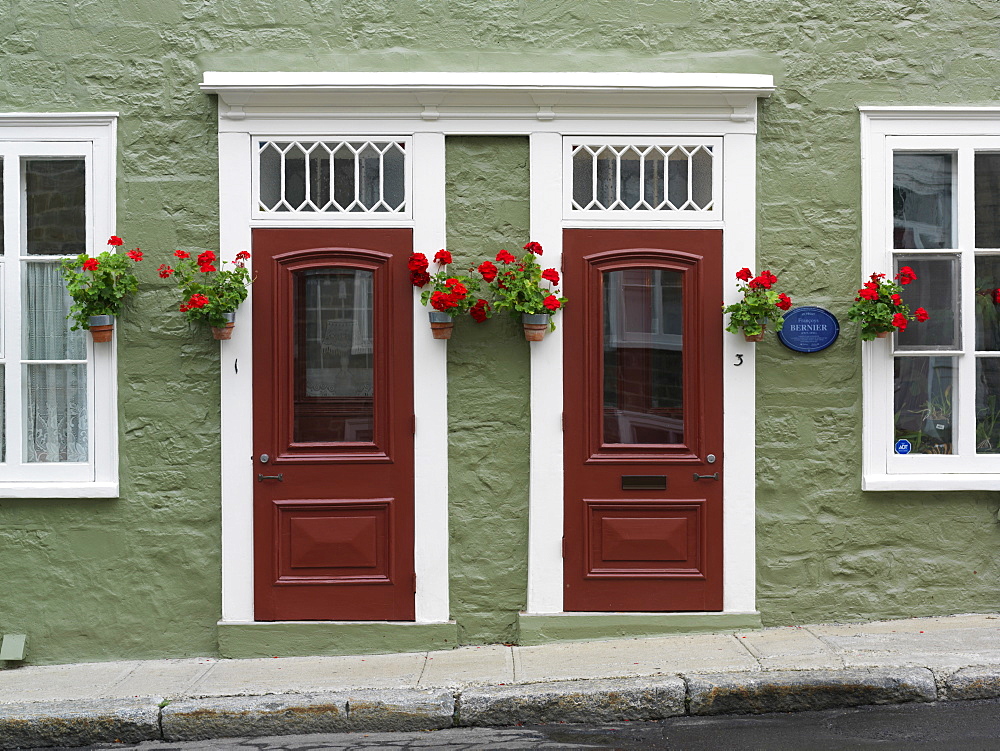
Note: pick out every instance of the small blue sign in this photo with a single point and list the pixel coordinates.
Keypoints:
(903, 446)
(809, 329)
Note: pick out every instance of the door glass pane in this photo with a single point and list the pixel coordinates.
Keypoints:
(46, 334)
(333, 356)
(922, 190)
(935, 290)
(988, 303)
(988, 405)
(923, 409)
(55, 413)
(643, 357)
(987, 200)
(56, 200)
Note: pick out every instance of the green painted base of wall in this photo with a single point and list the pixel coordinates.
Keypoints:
(238, 640)
(539, 629)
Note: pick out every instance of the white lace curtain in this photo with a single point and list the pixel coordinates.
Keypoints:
(55, 404)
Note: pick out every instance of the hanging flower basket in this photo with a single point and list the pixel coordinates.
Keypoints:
(102, 328)
(755, 337)
(225, 331)
(535, 325)
(442, 324)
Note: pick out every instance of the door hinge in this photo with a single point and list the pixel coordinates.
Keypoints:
(414, 582)
(414, 424)
(564, 547)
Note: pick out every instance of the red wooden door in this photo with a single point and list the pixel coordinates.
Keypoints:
(643, 420)
(333, 414)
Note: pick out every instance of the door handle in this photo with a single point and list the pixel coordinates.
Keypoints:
(279, 477)
(706, 477)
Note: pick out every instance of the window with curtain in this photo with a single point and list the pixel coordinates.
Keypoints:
(56, 387)
(932, 414)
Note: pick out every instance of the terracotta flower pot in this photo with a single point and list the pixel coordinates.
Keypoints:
(535, 326)
(442, 324)
(755, 337)
(881, 334)
(225, 332)
(102, 328)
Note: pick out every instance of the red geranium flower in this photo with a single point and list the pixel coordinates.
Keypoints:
(552, 302)
(206, 259)
(419, 278)
(504, 257)
(906, 275)
(488, 270)
(784, 302)
(479, 311)
(443, 257)
(164, 271)
(206, 268)
(115, 240)
(744, 274)
(243, 255)
(135, 255)
(458, 290)
(995, 294)
(91, 264)
(868, 294)
(443, 301)
(182, 254)
(197, 301)
(921, 314)
(551, 275)
(899, 321)
(534, 247)
(896, 299)
(417, 262)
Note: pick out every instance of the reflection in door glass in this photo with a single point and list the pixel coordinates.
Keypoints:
(333, 356)
(643, 357)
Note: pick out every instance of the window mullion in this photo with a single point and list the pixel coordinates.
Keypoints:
(14, 228)
(965, 232)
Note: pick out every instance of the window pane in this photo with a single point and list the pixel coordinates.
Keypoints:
(583, 185)
(987, 200)
(55, 194)
(922, 200)
(3, 416)
(333, 356)
(643, 357)
(988, 303)
(923, 403)
(988, 405)
(935, 290)
(55, 413)
(46, 334)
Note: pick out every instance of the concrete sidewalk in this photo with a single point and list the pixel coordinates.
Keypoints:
(777, 669)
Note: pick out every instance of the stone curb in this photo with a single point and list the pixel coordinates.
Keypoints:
(81, 723)
(577, 701)
(398, 710)
(790, 691)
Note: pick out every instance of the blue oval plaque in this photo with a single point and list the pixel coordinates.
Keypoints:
(809, 329)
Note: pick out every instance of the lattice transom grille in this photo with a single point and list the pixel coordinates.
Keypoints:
(332, 176)
(642, 177)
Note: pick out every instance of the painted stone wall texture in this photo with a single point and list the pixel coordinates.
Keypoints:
(139, 576)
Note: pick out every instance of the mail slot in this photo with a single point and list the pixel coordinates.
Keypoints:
(644, 482)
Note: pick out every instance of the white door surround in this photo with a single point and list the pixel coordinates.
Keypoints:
(546, 107)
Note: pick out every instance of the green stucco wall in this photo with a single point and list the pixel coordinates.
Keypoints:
(139, 576)
(488, 399)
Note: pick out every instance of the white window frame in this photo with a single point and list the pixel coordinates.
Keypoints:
(325, 218)
(91, 136)
(640, 217)
(962, 131)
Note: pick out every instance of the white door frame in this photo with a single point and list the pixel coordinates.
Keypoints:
(545, 107)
